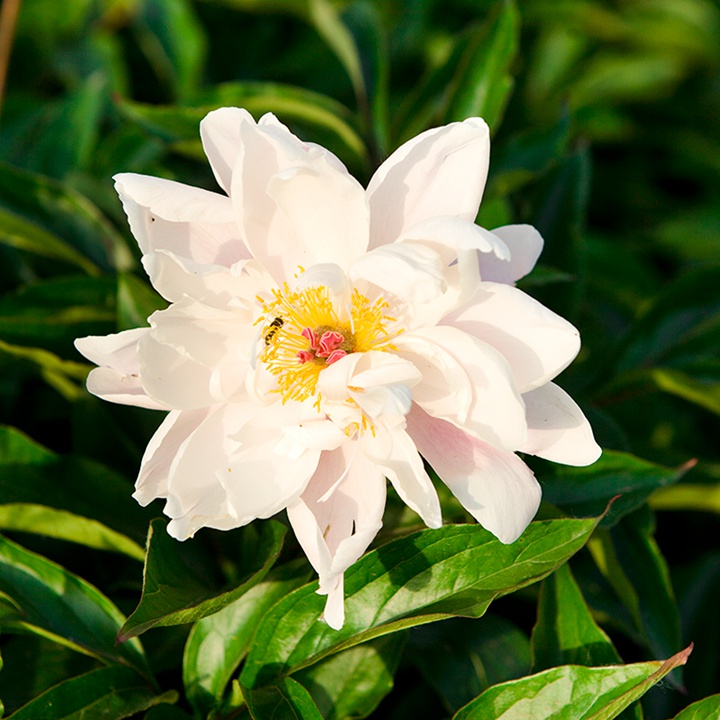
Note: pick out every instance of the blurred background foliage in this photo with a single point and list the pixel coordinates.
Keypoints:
(605, 117)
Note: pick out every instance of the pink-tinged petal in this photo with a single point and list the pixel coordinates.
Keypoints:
(188, 221)
(337, 517)
(110, 385)
(117, 351)
(164, 446)
(557, 428)
(394, 452)
(537, 343)
(525, 244)
(220, 135)
(440, 172)
(493, 485)
(457, 366)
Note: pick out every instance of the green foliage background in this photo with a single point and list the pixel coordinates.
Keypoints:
(606, 136)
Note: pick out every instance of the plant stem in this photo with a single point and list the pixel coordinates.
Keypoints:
(9, 12)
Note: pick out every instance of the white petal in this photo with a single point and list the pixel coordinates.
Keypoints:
(113, 386)
(537, 343)
(493, 485)
(117, 351)
(220, 134)
(557, 428)
(162, 450)
(440, 172)
(191, 222)
(395, 453)
(444, 355)
(525, 244)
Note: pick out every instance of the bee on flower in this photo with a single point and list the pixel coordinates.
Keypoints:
(322, 339)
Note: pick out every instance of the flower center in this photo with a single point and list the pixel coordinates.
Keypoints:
(304, 333)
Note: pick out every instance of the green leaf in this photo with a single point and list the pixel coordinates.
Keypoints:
(218, 643)
(698, 390)
(351, 683)
(632, 563)
(707, 709)
(483, 83)
(26, 235)
(565, 632)
(455, 570)
(56, 604)
(460, 658)
(288, 700)
(136, 301)
(571, 692)
(325, 119)
(588, 490)
(174, 591)
(79, 486)
(63, 525)
(687, 497)
(111, 693)
(65, 213)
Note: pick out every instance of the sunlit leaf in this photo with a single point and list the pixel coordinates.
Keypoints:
(455, 570)
(707, 709)
(571, 692)
(63, 525)
(173, 590)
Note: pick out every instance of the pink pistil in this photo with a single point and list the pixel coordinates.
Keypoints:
(311, 336)
(334, 356)
(329, 342)
(305, 356)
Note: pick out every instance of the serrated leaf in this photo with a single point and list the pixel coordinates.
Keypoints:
(588, 490)
(707, 709)
(482, 84)
(63, 525)
(57, 604)
(565, 632)
(460, 658)
(173, 593)
(218, 643)
(111, 693)
(351, 683)
(571, 692)
(455, 570)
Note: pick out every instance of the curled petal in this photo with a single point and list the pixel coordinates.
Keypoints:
(493, 485)
(337, 517)
(394, 451)
(537, 343)
(467, 382)
(440, 172)
(525, 244)
(557, 428)
(192, 223)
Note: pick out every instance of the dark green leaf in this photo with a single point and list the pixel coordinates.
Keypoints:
(111, 693)
(136, 301)
(174, 592)
(482, 84)
(571, 692)
(565, 632)
(455, 570)
(288, 700)
(460, 658)
(57, 604)
(218, 643)
(351, 683)
(588, 490)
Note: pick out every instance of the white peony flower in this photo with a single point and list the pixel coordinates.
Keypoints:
(321, 338)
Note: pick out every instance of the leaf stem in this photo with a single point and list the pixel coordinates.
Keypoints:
(9, 12)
